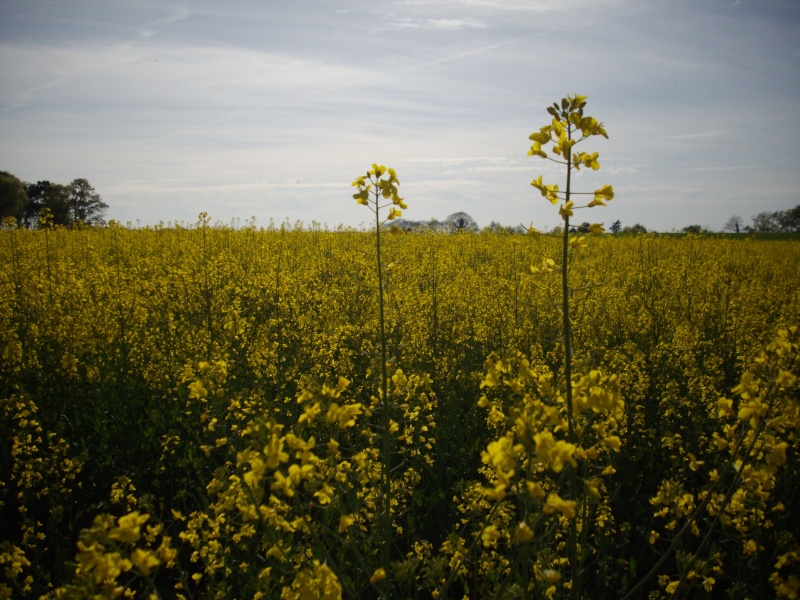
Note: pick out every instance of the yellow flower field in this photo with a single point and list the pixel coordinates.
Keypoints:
(199, 413)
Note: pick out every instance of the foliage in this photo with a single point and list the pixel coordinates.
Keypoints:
(75, 203)
(85, 203)
(50, 197)
(734, 225)
(782, 221)
(635, 229)
(12, 196)
(460, 222)
(694, 229)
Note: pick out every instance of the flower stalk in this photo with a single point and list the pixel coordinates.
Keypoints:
(378, 190)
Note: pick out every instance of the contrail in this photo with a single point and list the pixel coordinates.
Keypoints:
(459, 55)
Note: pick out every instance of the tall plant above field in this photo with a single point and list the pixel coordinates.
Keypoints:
(569, 127)
(378, 190)
(556, 431)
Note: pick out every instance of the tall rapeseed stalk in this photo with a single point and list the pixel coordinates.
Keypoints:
(377, 190)
(568, 128)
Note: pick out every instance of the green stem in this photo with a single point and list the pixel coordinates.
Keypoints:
(49, 270)
(573, 480)
(385, 462)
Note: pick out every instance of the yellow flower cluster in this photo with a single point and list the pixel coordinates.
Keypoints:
(109, 558)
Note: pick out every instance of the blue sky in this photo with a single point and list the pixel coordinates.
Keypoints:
(270, 109)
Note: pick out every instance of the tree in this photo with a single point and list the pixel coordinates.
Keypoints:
(12, 197)
(406, 224)
(52, 196)
(435, 225)
(694, 229)
(765, 222)
(789, 220)
(498, 227)
(460, 221)
(638, 228)
(616, 226)
(734, 224)
(85, 203)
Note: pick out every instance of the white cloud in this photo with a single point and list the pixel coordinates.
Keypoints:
(723, 169)
(436, 24)
(456, 160)
(697, 135)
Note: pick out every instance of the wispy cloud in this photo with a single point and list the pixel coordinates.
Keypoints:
(181, 13)
(505, 5)
(723, 169)
(456, 160)
(436, 24)
(697, 135)
(167, 188)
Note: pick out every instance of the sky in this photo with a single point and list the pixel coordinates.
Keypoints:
(269, 109)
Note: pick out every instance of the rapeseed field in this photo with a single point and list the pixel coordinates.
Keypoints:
(201, 412)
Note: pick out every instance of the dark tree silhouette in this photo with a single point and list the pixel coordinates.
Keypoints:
(85, 203)
(789, 220)
(695, 229)
(12, 197)
(734, 224)
(52, 196)
(460, 221)
(766, 222)
(638, 228)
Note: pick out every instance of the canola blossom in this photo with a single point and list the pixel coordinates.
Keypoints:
(197, 412)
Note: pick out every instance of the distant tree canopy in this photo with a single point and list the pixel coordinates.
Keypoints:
(455, 223)
(782, 221)
(13, 198)
(45, 195)
(460, 221)
(638, 228)
(496, 227)
(85, 203)
(735, 224)
(66, 204)
(695, 229)
(409, 225)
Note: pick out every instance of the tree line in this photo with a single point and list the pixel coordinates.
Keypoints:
(32, 203)
(79, 202)
(781, 221)
(785, 221)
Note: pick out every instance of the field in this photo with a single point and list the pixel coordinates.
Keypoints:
(201, 412)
